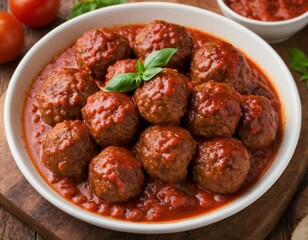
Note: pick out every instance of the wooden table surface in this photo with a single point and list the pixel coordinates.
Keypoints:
(12, 227)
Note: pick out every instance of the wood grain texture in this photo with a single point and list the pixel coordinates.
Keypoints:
(301, 209)
(255, 222)
(12, 226)
(295, 212)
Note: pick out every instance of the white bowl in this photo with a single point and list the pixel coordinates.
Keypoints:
(61, 37)
(272, 32)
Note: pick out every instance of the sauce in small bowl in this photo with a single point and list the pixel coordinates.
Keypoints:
(268, 10)
(274, 21)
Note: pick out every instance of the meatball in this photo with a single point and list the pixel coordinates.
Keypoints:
(220, 61)
(112, 118)
(163, 99)
(99, 48)
(213, 111)
(221, 165)
(63, 94)
(115, 175)
(261, 88)
(258, 126)
(68, 149)
(157, 35)
(165, 152)
(121, 66)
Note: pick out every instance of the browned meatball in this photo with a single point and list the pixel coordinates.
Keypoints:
(214, 110)
(157, 35)
(165, 152)
(163, 99)
(115, 175)
(121, 66)
(258, 126)
(221, 165)
(68, 149)
(260, 87)
(112, 118)
(63, 94)
(220, 61)
(99, 48)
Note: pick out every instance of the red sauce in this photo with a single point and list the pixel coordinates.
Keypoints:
(157, 201)
(269, 10)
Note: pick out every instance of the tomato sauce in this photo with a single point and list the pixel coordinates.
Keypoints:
(269, 10)
(157, 201)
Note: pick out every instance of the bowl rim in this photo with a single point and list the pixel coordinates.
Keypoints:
(242, 202)
(236, 15)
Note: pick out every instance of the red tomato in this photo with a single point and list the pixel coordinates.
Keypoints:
(11, 37)
(35, 13)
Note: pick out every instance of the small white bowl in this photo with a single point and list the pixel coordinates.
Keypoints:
(245, 40)
(272, 32)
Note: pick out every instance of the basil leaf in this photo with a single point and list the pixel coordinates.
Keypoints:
(298, 60)
(150, 73)
(128, 81)
(86, 6)
(304, 77)
(77, 9)
(90, 7)
(159, 58)
(139, 80)
(123, 82)
(104, 3)
(139, 67)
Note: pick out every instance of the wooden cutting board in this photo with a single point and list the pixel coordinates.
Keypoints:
(254, 222)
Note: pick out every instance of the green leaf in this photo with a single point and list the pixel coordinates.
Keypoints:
(298, 60)
(91, 7)
(76, 10)
(82, 6)
(150, 73)
(123, 82)
(159, 58)
(139, 67)
(139, 80)
(304, 77)
(105, 3)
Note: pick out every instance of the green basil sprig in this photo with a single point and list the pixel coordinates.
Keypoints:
(299, 62)
(83, 6)
(152, 65)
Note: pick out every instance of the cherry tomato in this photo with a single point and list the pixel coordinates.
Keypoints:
(35, 13)
(11, 37)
